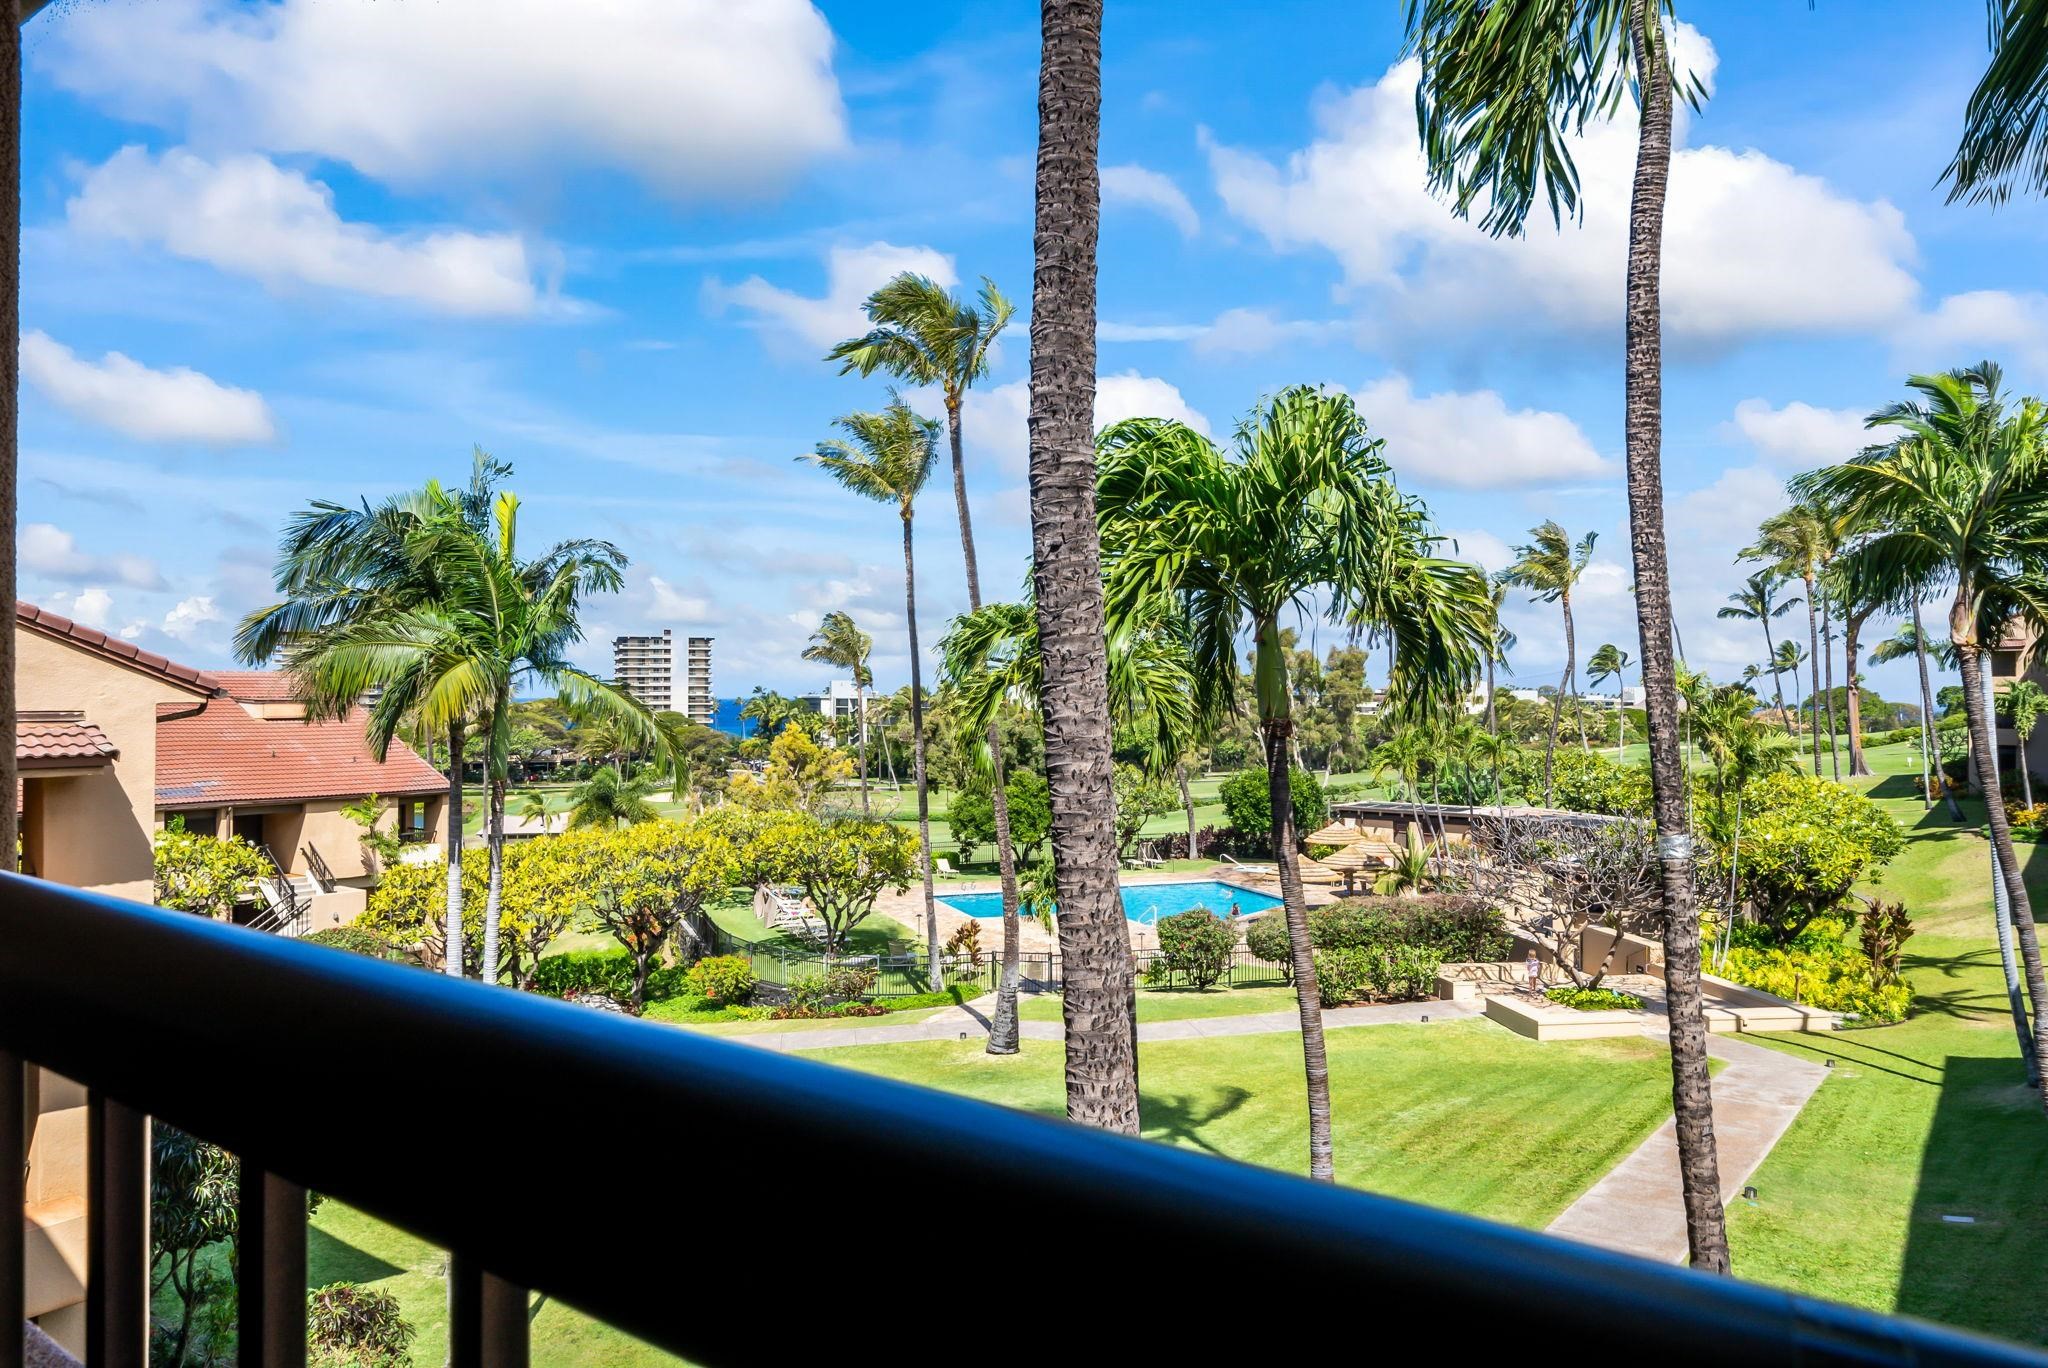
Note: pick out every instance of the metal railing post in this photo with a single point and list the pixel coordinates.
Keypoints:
(13, 1197)
(270, 1327)
(117, 1232)
(487, 1318)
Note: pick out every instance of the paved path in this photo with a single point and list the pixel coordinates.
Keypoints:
(1638, 1209)
(972, 1020)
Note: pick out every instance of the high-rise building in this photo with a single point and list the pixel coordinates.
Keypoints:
(647, 667)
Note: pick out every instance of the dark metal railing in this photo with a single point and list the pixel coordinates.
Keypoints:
(316, 865)
(103, 992)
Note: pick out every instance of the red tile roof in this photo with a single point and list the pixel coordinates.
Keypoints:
(60, 743)
(113, 648)
(258, 686)
(220, 754)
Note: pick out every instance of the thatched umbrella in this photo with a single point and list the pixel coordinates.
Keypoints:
(1354, 859)
(1336, 834)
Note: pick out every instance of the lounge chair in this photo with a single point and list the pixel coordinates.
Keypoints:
(1256, 871)
(942, 865)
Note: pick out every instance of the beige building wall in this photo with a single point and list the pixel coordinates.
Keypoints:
(95, 827)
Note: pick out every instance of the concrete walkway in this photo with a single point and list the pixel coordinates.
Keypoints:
(972, 1020)
(1638, 1207)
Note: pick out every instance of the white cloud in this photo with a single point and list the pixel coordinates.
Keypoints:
(189, 616)
(1964, 328)
(666, 603)
(851, 275)
(1475, 441)
(48, 550)
(1149, 190)
(90, 606)
(248, 216)
(994, 420)
(1800, 435)
(177, 405)
(1247, 332)
(1751, 245)
(695, 97)
(1482, 548)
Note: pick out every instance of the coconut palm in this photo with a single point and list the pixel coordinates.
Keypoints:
(2005, 127)
(923, 334)
(2025, 702)
(1794, 542)
(1959, 499)
(1403, 753)
(533, 807)
(340, 566)
(1305, 504)
(1502, 90)
(1548, 567)
(606, 799)
(1503, 642)
(841, 643)
(888, 457)
(1094, 938)
(500, 624)
(1607, 662)
(1757, 601)
(1911, 639)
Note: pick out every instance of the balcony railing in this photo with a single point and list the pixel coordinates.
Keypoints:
(432, 1116)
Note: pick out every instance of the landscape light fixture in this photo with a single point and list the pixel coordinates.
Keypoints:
(1749, 1194)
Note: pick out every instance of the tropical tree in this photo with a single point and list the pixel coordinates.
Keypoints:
(1305, 505)
(1794, 542)
(605, 800)
(339, 567)
(1548, 567)
(501, 624)
(923, 334)
(1503, 89)
(887, 457)
(1912, 639)
(1609, 661)
(1502, 641)
(1757, 601)
(839, 642)
(2005, 127)
(1958, 499)
(2026, 702)
(1094, 938)
(533, 807)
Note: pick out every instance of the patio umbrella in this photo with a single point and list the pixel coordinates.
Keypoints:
(1336, 834)
(1352, 860)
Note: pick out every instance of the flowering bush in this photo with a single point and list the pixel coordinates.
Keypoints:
(1819, 968)
(1595, 999)
(722, 978)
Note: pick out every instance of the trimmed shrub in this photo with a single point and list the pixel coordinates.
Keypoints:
(1819, 968)
(349, 1326)
(1344, 975)
(1244, 796)
(722, 978)
(1266, 936)
(358, 941)
(1411, 972)
(851, 980)
(609, 972)
(1196, 944)
(1460, 928)
(1595, 999)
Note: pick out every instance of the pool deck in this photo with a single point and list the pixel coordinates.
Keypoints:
(908, 908)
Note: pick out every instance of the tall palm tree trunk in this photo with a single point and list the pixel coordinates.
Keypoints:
(1556, 703)
(1982, 742)
(1571, 673)
(1777, 676)
(1094, 938)
(1276, 726)
(1492, 719)
(1932, 745)
(453, 957)
(960, 501)
(1813, 667)
(1187, 801)
(924, 812)
(860, 703)
(1827, 636)
(1691, 1097)
(1852, 631)
(494, 892)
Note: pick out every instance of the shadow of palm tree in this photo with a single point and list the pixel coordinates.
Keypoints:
(1182, 1119)
(332, 1260)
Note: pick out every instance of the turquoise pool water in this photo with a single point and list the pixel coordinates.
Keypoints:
(1143, 903)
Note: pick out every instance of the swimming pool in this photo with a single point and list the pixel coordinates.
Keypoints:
(1143, 903)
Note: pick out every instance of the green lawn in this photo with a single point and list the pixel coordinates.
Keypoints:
(1179, 1004)
(1462, 1114)
(1920, 1120)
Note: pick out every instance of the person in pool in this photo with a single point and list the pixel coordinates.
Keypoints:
(1234, 911)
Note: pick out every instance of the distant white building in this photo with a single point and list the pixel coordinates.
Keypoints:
(838, 699)
(648, 668)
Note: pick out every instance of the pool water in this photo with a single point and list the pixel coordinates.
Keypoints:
(1143, 903)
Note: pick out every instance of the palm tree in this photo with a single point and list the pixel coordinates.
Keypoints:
(1502, 89)
(1609, 661)
(1958, 499)
(1503, 642)
(2005, 128)
(605, 800)
(839, 642)
(501, 623)
(924, 335)
(2026, 702)
(887, 457)
(533, 807)
(1306, 504)
(340, 566)
(1094, 938)
(1911, 639)
(1548, 568)
(1794, 542)
(1757, 601)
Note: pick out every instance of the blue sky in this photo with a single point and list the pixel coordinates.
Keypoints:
(277, 252)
